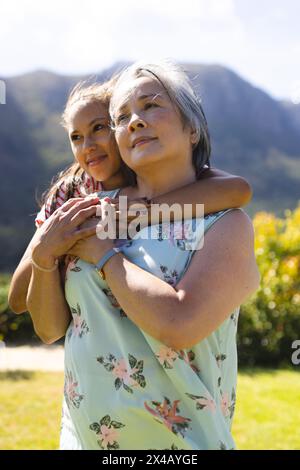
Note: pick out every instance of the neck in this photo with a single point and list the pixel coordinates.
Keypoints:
(164, 178)
(114, 182)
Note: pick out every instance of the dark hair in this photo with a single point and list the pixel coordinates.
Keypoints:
(73, 175)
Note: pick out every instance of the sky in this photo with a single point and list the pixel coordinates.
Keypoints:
(258, 39)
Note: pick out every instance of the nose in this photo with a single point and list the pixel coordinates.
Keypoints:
(136, 122)
(89, 144)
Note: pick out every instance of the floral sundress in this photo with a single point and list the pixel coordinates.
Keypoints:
(126, 390)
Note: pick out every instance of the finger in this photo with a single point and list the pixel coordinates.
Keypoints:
(70, 202)
(79, 205)
(114, 200)
(92, 222)
(82, 215)
(67, 205)
(84, 233)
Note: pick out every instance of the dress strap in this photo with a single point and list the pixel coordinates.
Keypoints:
(112, 194)
(210, 219)
(203, 225)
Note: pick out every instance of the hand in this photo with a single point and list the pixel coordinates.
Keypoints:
(91, 249)
(126, 213)
(62, 230)
(140, 204)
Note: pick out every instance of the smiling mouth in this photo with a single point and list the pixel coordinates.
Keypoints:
(95, 161)
(142, 142)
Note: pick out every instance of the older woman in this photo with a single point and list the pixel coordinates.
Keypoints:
(163, 374)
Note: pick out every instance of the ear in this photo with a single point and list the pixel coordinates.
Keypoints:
(194, 136)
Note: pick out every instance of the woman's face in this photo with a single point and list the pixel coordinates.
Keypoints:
(148, 126)
(92, 141)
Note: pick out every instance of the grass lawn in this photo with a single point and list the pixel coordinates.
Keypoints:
(267, 414)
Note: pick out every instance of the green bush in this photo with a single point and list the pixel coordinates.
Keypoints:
(13, 328)
(270, 320)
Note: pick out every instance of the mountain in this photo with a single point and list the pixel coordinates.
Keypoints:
(252, 134)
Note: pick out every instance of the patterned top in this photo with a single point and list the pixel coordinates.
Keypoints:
(83, 187)
(126, 390)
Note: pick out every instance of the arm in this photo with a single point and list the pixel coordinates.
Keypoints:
(20, 282)
(216, 189)
(21, 277)
(46, 298)
(221, 277)
(47, 304)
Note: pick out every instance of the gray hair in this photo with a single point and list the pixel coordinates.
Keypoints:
(180, 91)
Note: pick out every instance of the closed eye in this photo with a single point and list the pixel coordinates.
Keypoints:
(121, 118)
(150, 105)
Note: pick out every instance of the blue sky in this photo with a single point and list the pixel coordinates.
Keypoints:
(259, 39)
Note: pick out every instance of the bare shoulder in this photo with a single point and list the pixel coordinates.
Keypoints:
(233, 228)
(213, 173)
(238, 217)
(228, 245)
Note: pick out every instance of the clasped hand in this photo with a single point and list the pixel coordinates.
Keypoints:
(74, 229)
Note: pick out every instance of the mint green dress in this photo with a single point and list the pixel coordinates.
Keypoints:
(126, 390)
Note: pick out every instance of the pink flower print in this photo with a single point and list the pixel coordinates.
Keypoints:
(172, 232)
(71, 394)
(70, 265)
(108, 436)
(71, 390)
(124, 372)
(225, 404)
(203, 403)
(166, 357)
(181, 231)
(167, 413)
(206, 403)
(127, 374)
(106, 430)
(77, 324)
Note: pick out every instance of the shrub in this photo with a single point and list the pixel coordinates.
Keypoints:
(270, 320)
(13, 328)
